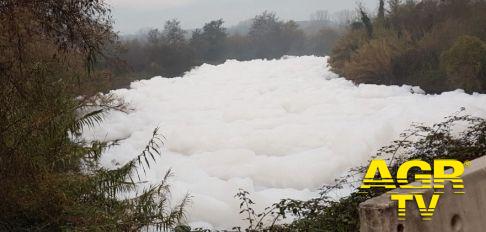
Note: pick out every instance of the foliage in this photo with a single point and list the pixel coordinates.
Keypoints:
(165, 52)
(172, 51)
(210, 43)
(320, 43)
(173, 33)
(51, 179)
(417, 33)
(381, 13)
(439, 141)
(271, 37)
(372, 62)
(366, 22)
(465, 63)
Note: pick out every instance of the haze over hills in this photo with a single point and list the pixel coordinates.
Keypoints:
(310, 26)
(130, 16)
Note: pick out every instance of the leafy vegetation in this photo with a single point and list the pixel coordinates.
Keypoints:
(172, 51)
(417, 43)
(421, 142)
(51, 179)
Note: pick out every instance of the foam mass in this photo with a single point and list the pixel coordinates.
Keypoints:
(277, 128)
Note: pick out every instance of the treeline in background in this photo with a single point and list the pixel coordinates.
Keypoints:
(437, 45)
(171, 50)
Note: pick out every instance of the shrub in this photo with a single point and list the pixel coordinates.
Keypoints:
(373, 61)
(439, 141)
(421, 32)
(346, 47)
(465, 63)
(50, 178)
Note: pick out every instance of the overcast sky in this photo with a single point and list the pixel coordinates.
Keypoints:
(133, 15)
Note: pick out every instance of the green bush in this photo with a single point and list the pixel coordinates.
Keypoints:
(465, 63)
(414, 44)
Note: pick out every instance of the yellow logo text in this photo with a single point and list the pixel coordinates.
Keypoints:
(379, 176)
